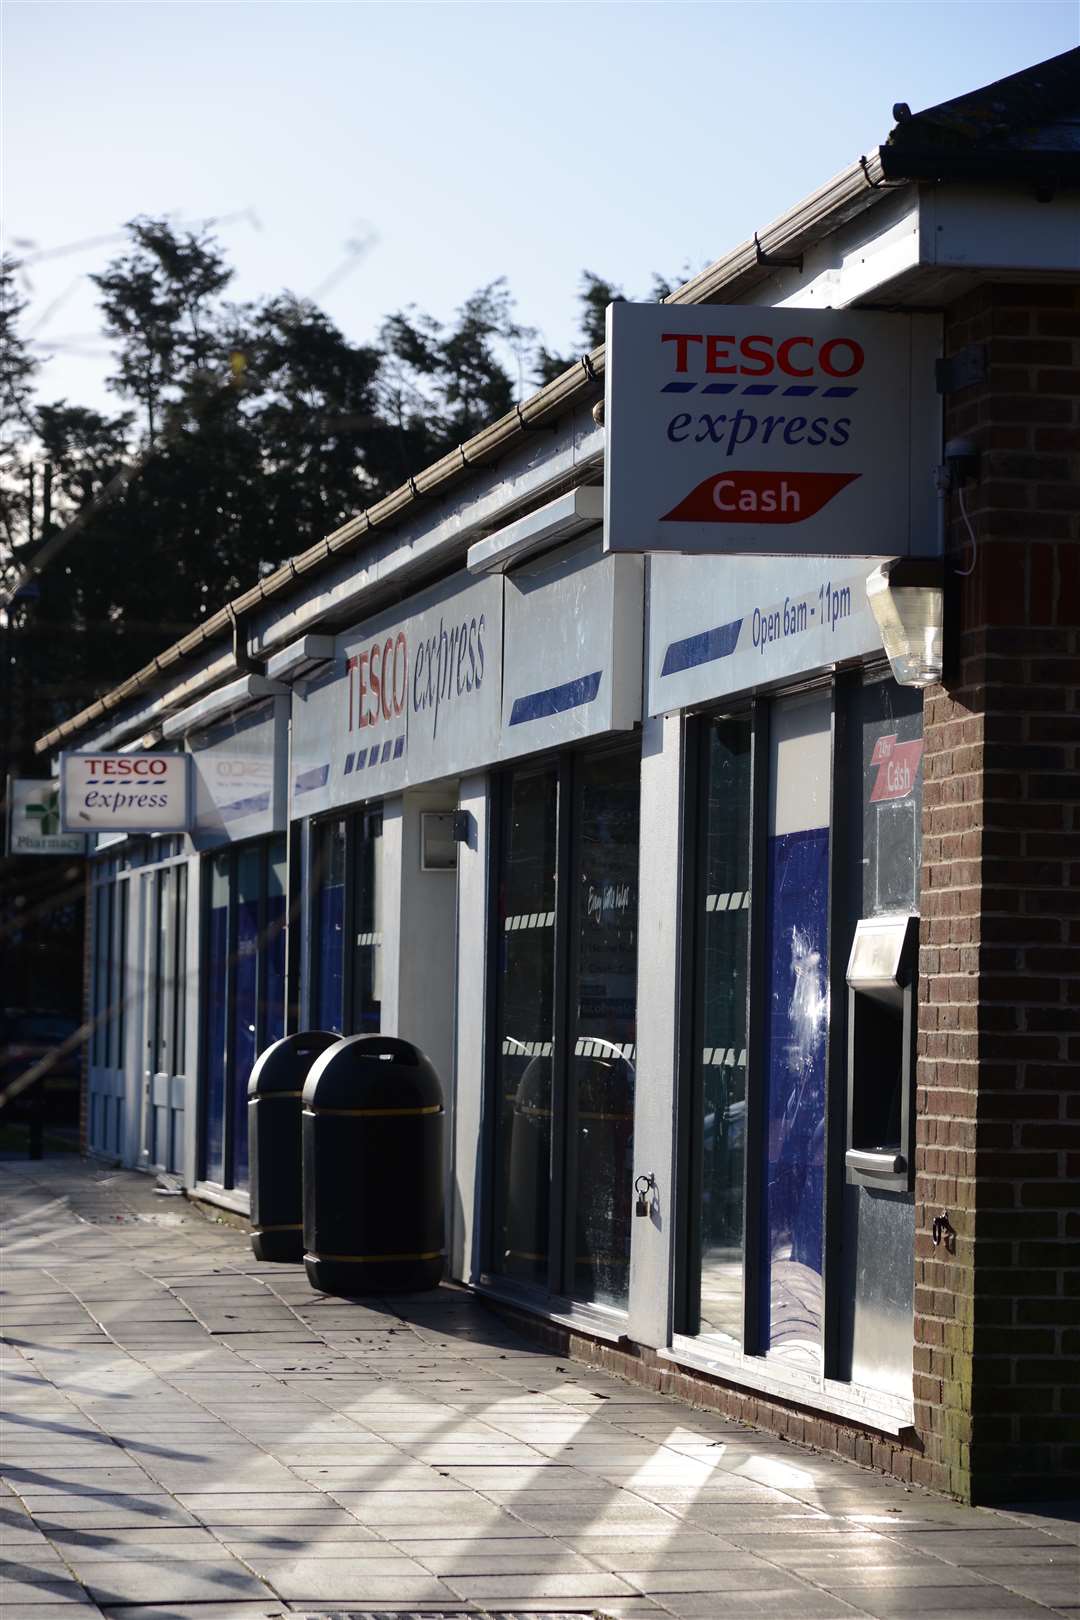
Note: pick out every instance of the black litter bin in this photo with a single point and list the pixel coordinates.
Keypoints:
(373, 1169)
(274, 1092)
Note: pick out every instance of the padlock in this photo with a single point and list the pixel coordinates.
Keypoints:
(643, 1186)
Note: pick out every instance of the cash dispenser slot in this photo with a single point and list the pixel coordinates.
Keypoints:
(881, 980)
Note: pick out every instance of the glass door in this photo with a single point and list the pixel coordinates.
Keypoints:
(243, 1009)
(566, 994)
(602, 1033)
(523, 1058)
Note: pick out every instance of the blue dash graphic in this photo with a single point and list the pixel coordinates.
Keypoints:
(556, 699)
(315, 778)
(702, 648)
(245, 807)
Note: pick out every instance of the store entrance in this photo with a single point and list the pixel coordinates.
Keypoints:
(566, 996)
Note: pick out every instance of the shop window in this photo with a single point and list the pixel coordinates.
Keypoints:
(244, 1006)
(566, 987)
(526, 945)
(720, 1039)
(346, 940)
(109, 943)
(328, 952)
(807, 820)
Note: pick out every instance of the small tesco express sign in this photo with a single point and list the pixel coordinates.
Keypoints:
(758, 431)
(138, 793)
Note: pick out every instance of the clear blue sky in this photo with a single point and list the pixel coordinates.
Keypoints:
(528, 140)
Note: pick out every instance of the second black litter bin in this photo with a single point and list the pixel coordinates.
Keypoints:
(274, 1090)
(373, 1169)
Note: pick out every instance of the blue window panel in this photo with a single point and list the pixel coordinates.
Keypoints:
(797, 922)
(217, 977)
(274, 950)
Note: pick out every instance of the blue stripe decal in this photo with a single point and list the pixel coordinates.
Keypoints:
(317, 777)
(349, 762)
(702, 649)
(245, 807)
(798, 390)
(556, 699)
(399, 746)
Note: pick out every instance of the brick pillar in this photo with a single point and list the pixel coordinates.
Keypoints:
(997, 1324)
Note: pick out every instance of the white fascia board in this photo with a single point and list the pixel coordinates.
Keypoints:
(300, 656)
(226, 700)
(547, 526)
(855, 263)
(973, 228)
(916, 235)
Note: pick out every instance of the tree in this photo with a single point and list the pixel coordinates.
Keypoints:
(594, 296)
(158, 308)
(440, 385)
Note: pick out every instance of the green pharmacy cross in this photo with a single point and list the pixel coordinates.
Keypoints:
(48, 813)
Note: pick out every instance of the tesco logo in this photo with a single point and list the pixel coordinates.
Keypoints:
(378, 681)
(759, 355)
(125, 766)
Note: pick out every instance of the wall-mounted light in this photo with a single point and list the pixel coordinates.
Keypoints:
(907, 598)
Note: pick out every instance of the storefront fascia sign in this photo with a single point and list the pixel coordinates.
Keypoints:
(747, 431)
(572, 665)
(239, 775)
(125, 793)
(721, 625)
(412, 697)
(34, 820)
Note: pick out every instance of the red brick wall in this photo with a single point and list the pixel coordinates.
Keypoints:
(998, 1135)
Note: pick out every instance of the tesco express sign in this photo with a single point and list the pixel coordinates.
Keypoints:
(131, 793)
(751, 431)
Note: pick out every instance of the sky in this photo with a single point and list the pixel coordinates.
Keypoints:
(384, 153)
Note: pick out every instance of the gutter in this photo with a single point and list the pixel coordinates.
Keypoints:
(847, 194)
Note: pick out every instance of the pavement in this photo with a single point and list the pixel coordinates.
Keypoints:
(189, 1433)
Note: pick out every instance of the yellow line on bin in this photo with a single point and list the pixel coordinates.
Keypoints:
(367, 1259)
(286, 1226)
(268, 1096)
(376, 1113)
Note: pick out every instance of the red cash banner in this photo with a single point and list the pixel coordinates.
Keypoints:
(759, 497)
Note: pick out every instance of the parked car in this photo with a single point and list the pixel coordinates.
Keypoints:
(26, 1037)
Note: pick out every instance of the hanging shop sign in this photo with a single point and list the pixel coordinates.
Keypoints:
(717, 625)
(33, 821)
(411, 697)
(748, 431)
(572, 662)
(239, 767)
(125, 793)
